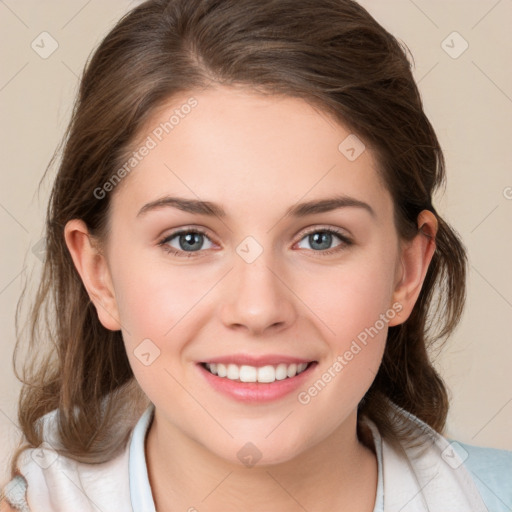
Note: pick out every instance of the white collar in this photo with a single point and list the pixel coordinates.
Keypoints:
(140, 490)
(424, 474)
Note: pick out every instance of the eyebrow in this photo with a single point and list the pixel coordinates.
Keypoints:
(298, 210)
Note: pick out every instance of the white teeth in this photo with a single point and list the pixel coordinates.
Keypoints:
(281, 371)
(221, 370)
(292, 370)
(266, 374)
(245, 373)
(248, 373)
(233, 372)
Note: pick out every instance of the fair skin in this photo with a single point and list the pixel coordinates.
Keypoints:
(256, 157)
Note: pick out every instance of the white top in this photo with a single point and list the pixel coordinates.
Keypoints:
(446, 477)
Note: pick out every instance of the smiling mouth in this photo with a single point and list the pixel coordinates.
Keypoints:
(263, 374)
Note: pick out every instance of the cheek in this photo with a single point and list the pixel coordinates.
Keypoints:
(156, 304)
(354, 304)
(350, 298)
(355, 333)
(153, 299)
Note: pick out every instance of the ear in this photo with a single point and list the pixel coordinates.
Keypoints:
(93, 269)
(415, 259)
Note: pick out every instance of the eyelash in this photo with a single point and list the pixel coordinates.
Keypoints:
(345, 241)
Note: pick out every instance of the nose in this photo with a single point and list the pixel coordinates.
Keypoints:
(258, 299)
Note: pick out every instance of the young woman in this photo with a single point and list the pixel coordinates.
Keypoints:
(244, 272)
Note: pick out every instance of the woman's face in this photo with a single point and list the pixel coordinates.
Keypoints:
(297, 264)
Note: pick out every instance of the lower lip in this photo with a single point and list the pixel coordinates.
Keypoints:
(257, 392)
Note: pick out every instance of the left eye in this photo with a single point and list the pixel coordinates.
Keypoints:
(321, 240)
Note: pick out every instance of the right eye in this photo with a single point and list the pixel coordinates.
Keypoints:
(185, 241)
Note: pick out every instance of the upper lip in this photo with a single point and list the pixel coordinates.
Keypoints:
(263, 360)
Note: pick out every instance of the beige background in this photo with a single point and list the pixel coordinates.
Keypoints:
(467, 98)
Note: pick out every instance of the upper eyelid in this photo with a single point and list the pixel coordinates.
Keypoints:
(335, 230)
(181, 231)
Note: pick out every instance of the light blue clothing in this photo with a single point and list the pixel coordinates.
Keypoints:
(491, 470)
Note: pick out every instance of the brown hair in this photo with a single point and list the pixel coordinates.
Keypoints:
(332, 54)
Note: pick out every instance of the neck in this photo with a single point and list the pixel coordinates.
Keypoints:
(339, 473)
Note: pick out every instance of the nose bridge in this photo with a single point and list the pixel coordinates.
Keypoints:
(260, 299)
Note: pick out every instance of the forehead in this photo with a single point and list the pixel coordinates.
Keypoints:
(248, 152)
